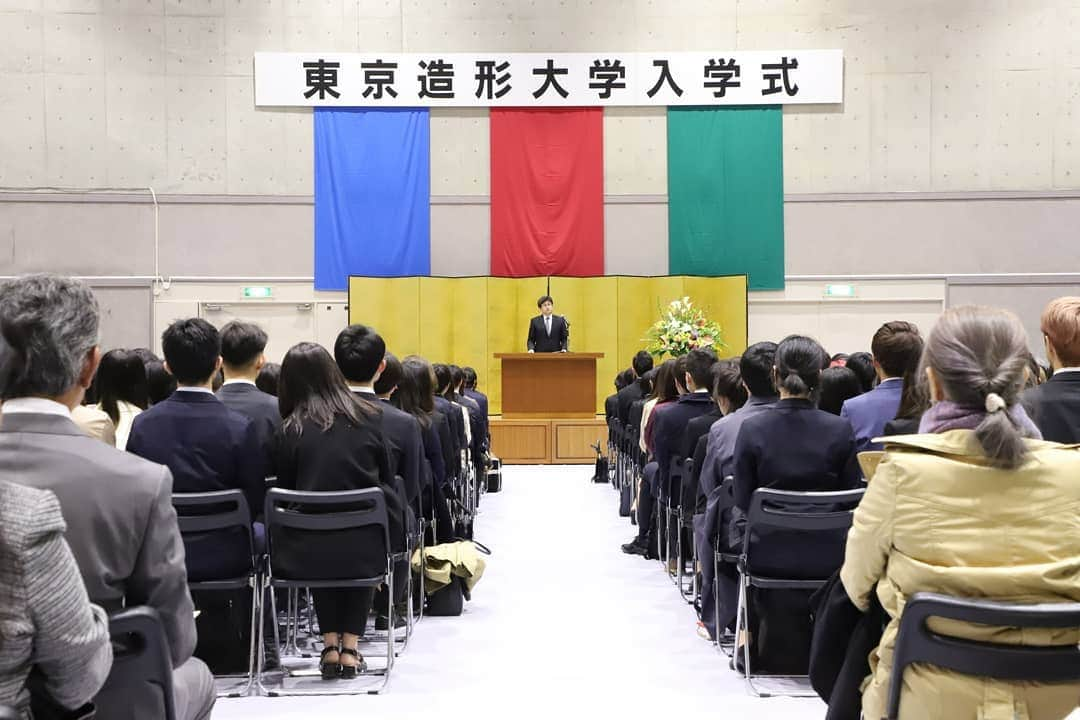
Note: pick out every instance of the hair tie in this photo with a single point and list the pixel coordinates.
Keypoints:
(994, 403)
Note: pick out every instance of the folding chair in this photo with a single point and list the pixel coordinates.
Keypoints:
(224, 517)
(688, 585)
(667, 516)
(917, 643)
(723, 556)
(142, 667)
(816, 523)
(626, 471)
(295, 518)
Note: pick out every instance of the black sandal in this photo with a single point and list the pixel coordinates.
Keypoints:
(348, 672)
(330, 671)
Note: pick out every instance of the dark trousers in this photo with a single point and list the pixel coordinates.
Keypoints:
(646, 503)
(342, 610)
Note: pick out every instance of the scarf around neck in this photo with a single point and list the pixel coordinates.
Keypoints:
(947, 415)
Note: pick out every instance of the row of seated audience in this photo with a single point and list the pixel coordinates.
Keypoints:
(969, 498)
(102, 476)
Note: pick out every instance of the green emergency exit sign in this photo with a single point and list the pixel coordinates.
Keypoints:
(256, 292)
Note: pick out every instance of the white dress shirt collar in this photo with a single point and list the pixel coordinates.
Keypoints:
(239, 381)
(40, 406)
(1065, 370)
(192, 388)
(365, 389)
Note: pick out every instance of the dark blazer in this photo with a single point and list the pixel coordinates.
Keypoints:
(121, 525)
(260, 407)
(670, 427)
(1054, 407)
(403, 441)
(901, 426)
(206, 445)
(441, 425)
(611, 407)
(697, 428)
(794, 446)
(540, 341)
(344, 457)
(627, 397)
(481, 400)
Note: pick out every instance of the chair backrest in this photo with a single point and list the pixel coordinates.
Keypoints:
(917, 643)
(813, 524)
(140, 683)
(325, 514)
(210, 511)
(216, 529)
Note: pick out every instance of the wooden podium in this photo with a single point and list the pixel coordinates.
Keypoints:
(548, 409)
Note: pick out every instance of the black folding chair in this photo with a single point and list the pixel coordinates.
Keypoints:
(688, 584)
(224, 517)
(296, 519)
(666, 515)
(793, 541)
(917, 643)
(142, 672)
(723, 556)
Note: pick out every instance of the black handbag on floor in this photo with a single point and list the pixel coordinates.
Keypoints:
(448, 601)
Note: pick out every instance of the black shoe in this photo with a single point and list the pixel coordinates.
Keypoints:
(381, 623)
(635, 547)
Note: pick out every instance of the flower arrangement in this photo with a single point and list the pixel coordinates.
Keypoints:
(682, 328)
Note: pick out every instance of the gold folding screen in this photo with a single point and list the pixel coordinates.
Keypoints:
(467, 320)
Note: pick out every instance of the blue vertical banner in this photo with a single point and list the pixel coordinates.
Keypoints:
(372, 194)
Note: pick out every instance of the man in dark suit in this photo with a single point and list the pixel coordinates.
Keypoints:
(121, 525)
(361, 355)
(471, 391)
(641, 364)
(548, 332)
(669, 426)
(897, 348)
(1054, 406)
(207, 446)
(242, 347)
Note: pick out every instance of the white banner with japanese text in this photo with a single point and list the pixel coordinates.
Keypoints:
(781, 77)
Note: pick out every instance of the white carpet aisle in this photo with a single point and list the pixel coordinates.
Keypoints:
(562, 621)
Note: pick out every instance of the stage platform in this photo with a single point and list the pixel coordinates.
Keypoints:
(547, 441)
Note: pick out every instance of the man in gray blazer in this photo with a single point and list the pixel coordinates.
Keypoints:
(121, 525)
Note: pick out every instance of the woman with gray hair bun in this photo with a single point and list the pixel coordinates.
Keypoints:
(976, 506)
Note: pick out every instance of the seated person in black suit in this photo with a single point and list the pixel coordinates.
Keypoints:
(242, 346)
(641, 365)
(330, 440)
(471, 392)
(667, 438)
(415, 395)
(795, 446)
(1054, 406)
(267, 379)
(455, 413)
(360, 353)
(548, 332)
(477, 424)
(207, 446)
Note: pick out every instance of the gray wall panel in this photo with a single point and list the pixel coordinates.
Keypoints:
(635, 239)
(230, 240)
(76, 238)
(126, 317)
(932, 237)
(1027, 301)
(460, 240)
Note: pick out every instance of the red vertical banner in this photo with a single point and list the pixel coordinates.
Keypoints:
(547, 192)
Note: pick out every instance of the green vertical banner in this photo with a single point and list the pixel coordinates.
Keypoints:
(726, 193)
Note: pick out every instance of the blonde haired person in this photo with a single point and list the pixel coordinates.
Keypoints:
(975, 506)
(1055, 404)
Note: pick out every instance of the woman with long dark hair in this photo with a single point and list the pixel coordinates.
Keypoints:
(123, 391)
(664, 391)
(416, 396)
(329, 441)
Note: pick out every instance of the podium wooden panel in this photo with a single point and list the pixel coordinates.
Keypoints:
(548, 386)
(548, 409)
